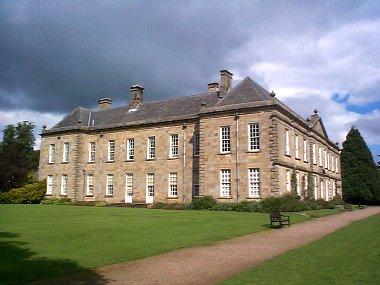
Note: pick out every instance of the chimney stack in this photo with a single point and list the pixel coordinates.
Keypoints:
(225, 82)
(105, 103)
(213, 87)
(137, 92)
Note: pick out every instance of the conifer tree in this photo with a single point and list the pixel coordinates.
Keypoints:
(359, 172)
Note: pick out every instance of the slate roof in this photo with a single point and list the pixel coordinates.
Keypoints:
(244, 95)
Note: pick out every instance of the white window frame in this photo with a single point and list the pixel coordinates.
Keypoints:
(66, 152)
(49, 185)
(90, 185)
(287, 142)
(52, 153)
(150, 184)
(129, 184)
(254, 183)
(110, 185)
(296, 147)
(305, 150)
(111, 150)
(320, 157)
(225, 139)
(315, 187)
(173, 149)
(288, 181)
(64, 180)
(314, 154)
(332, 163)
(325, 157)
(225, 183)
(196, 144)
(254, 136)
(336, 164)
(151, 148)
(91, 151)
(131, 149)
(173, 184)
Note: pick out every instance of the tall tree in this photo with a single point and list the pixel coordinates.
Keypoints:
(17, 157)
(359, 173)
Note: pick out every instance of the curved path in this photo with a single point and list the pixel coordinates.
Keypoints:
(213, 263)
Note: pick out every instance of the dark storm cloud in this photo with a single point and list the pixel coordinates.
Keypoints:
(56, 55)
(61, 54)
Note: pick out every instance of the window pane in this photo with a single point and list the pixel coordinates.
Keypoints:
(225, 183)
(225, 143)
(254, 183)
(254, 137)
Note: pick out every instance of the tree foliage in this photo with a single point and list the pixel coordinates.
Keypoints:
(359, 173)
(17, 156)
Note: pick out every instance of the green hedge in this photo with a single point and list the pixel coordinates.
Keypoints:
(29, 194)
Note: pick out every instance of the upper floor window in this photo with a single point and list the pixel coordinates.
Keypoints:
(287, 142)
(49, 185)
(254, 137)
(332, 163)
(51, 153)
(64, 184)
(90, 185)
(328, 160)
(314, 154)
(109, 189)
(196, 144)
(325, 157)
(225, 183)
(298, 183)
(130, 149)
(151, 150)
(91, 152)
(336, 164)
(225, 139)
(296, 147)
(111, 151)
(173, 184)
(173, 151)
(65, 154)
(305, 150)
(254, 183)
(320, 156)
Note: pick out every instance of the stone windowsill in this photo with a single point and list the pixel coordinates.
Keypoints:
(225, 198)
(173, 158)
(150, 159)
(48, 195)
(89, 196)
(172, 197)
(253, 198)
(129, 160)
(110, 161)
(90, 162)
(225, 153)
(108, 196)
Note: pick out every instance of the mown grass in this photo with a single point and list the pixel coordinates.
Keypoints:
(350, 255)
(43, 241)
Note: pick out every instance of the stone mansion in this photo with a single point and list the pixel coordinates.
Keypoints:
(234, 144)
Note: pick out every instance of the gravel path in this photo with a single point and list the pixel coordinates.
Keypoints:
(212, 263)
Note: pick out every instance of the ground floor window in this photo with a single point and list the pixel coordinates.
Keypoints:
(254, 183)
(49, 185)
(173, 184)
(150, 184)
(109, 189)
(196, 184)
(129, 184)
(288, 178)
(90, 185)
(315, 188)
(64, 180)
(225, 183)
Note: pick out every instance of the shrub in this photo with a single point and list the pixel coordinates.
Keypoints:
(226, 207)
(204, 203)
(64, 201)
(325, 204)
(337, 200)
(247, 206)
(347, 207)
(29, 194)
(286, 203)
(158, 205)
(100, 204)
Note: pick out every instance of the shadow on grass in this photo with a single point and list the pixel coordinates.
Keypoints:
(19, 265)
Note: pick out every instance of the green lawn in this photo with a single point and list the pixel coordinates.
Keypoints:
(350, 255)
(42, 241)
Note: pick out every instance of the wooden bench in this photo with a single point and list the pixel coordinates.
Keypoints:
(277, 217)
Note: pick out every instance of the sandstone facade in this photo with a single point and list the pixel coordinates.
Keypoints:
(233, 144)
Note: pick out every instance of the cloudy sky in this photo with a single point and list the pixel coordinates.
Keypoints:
(56, 55)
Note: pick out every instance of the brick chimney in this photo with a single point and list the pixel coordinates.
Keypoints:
(137, 92)
(225, 82)
(105, 103)
(213, 87)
